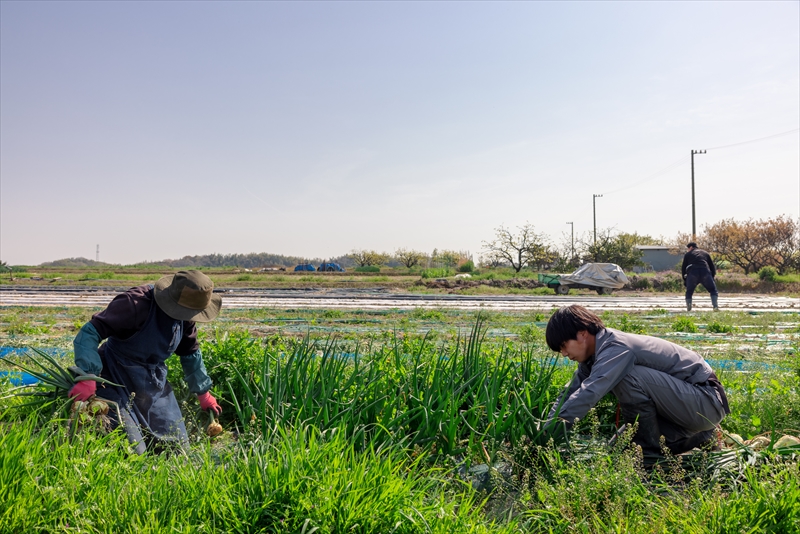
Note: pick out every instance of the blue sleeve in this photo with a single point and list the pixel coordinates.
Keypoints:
(85, 347)
(194, 372)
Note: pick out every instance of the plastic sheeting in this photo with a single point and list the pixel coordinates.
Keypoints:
(596, 274)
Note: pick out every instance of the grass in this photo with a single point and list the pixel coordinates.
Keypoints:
(406, 421)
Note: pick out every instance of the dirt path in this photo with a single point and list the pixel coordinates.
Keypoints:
(381, 300)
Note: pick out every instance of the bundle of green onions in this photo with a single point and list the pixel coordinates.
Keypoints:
(54, 382)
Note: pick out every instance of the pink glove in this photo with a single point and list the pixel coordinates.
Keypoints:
(83, 390)
(208, 402)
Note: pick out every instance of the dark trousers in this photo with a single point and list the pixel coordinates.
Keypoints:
(702, 277)
(666, 406)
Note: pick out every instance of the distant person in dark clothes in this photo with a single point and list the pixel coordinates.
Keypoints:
(698, 268)
(667, 389)
(144, 326)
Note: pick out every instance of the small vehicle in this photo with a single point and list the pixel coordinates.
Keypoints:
(602, 277)
(330, 267)
(305, 267)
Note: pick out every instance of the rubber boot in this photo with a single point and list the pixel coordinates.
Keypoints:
(648, 433)
(702, 440)
(715, 302)
(688, 304)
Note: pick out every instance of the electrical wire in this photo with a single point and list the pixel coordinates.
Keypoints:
(677, 163)
(683, 160)
(755, 140)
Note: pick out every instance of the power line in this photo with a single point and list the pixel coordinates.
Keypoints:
(677, 163)
(683, 160)
(755, 140)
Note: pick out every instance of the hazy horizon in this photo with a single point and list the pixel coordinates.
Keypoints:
(165, 129)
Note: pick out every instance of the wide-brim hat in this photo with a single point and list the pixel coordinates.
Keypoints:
(188, 296)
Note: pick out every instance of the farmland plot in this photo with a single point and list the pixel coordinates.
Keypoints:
(421, 420)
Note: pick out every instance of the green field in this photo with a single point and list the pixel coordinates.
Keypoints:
(406, 421)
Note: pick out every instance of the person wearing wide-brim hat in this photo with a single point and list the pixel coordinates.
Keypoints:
(143, 327)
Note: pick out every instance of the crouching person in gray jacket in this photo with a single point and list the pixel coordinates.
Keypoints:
(668, 389)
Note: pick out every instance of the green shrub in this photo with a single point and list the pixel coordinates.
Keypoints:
(768, 274)
(368, 269)
(667, 281)
(716, 327)
(530, 333)
(684, 324)
(427, 313)
(467, 267)
(640, 282)
(442, 272)
(626, 324)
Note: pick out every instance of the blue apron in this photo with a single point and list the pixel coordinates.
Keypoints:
(150, 413)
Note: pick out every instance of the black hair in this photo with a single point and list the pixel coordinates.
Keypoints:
(691, 245)
(567, 322)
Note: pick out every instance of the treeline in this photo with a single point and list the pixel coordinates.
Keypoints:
(244, 261)
(76, 262)
(749, 245)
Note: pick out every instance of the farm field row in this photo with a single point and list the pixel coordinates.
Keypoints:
(345, 420)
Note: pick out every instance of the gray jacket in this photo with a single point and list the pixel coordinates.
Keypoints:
(615, 355)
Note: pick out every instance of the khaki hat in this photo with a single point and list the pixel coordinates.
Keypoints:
(188, 296)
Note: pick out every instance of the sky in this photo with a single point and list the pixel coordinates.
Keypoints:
(163, 129)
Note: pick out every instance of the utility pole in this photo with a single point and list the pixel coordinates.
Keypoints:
(594, 215)
(572, 225)
(97, 254)
(694, 224)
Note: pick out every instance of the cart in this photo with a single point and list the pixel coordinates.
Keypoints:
(601, 277)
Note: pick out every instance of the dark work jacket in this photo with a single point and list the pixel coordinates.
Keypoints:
(698, 259)
(138, 363)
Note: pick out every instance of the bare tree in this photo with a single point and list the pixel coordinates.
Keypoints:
(753, 244)
(525, 247)
(365, 258)
(615, 247)
(744, 244)
(409, 258)
(447, 258)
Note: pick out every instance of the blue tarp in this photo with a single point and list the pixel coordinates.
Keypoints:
(21, 378)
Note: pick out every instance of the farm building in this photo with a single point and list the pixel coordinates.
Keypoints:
(658, 258)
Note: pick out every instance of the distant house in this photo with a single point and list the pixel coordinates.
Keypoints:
(657, 258)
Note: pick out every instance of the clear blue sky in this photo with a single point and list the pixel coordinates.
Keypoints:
(161, 129)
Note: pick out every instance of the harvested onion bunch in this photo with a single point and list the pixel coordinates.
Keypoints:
(54, 382)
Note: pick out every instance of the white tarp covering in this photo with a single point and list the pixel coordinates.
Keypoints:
(596, 274)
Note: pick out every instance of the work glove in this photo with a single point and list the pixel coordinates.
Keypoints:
(208, 402)
(83, 390)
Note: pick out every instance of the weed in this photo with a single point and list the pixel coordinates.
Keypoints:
(768, 274)
(684, 324)
(429, 314)
(442, 272)
(717, 327)
(626, 323)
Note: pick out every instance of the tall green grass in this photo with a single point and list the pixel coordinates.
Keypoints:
(300, 481)
(449, 399)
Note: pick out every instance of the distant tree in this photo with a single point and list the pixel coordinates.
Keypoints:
(611, 247)
(784, 236)
(6, 267)
(753, 244)
(520, 248)
(409, 258)
(677, 244)
(366, 258)
(447, 258)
